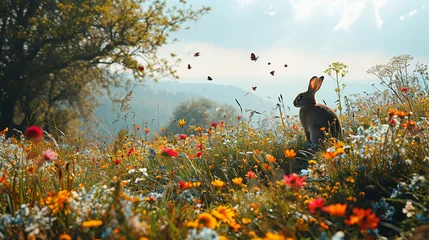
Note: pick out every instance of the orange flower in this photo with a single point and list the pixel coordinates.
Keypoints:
(92, 223)
(337, 210)
(290, 153)
(181, 122)
(270, 158)
(329, 155)
(238, 181)
(365, 218)
(65, 236)
(206, 220)
(224, 213)
(218, 183)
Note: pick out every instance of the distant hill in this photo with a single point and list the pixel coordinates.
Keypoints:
(154, 103)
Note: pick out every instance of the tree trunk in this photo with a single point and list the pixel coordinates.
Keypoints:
(7, 108)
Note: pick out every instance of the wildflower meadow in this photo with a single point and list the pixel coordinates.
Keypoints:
(232, 179)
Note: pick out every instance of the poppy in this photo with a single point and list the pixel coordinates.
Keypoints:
(253, 57)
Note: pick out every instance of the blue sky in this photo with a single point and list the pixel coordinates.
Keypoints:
(308, 35)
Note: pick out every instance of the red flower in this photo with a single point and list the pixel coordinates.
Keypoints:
(199, 146)
(404, 90)
(239, 117)
(34, 133)
(294, 181)
(251, 174)
(318, 203)
(199, 154)
(130, 151)
(169, 152)
(213, 124)
(117, 161)
(365, 218)
(183, 136)
(185, 185)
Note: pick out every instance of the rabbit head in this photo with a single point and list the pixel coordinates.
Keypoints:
(309, 97)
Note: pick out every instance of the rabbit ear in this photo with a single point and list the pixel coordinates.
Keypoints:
(315, 84)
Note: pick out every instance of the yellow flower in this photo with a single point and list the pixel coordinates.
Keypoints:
(206, 220)
(270, 158)
(246, 220)
(238, 181)
(218, 183)
(92, 223)
(290, 153)
(337, 210)
(274, 236)
(224, 213)
(312, 162)
(181, 122)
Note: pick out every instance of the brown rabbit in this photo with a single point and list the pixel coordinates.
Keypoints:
(314, 116)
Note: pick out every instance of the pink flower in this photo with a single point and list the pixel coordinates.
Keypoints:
(318, 203)
(213, 124)
(34, 133)
(294, 181)
(169, 152)
(49, 155)
(183, 136)
(251, 174)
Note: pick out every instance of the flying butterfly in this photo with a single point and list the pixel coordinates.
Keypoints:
(141, 68)
(209, 78)
(189, 66)
(253, 57)
(272, 73)
(197, 54)
(285, 65)
(254, 88)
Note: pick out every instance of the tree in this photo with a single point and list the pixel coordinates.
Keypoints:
(57, 55)
(200, 112)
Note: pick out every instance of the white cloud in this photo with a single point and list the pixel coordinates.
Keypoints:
(412, 13)
(408, 15)
(378, 4)
(402, 17)
(350, 15)
(348, 10)
(271, 11)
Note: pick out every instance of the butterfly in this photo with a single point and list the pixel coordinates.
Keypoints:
(272, 73)
(285, 65)
(254, 88)
(253, 57)
(209, 78)
(141, 68)
(189, 66)
(197, 54)
(269, 63)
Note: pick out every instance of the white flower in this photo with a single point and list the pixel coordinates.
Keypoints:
(338, 236)
(408, 209)
(144, 171)
(131, 171)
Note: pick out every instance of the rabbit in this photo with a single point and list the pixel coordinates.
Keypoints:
(314, 116)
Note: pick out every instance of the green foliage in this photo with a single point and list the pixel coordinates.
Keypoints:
(55, 56)
(338, 71)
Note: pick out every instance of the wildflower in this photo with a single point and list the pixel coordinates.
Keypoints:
(130, 151)
(181, 122)
(239, 117)
(246, 221)
(49, 155)
(218, 183)
(117, 161)
(146, 130)
(222, 124)
(408, 209)
(294, 181)
(338, 235)
(238, 181)
(137, 127)
(65, 236)
(34, 133)
(337, 210)
(199, 154)
(251, 174)
(365, 218)
(213, 124)
(183, 136)
(234, 225)
(92, 223)
(224, 213)
(329, 155)
(185, 185)
(198, 129)
(275, 236)
(206, 220)
(312, 162)
(169, 152)
(404, 90)
(316, 204)
(290, 153)
(270, 158)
